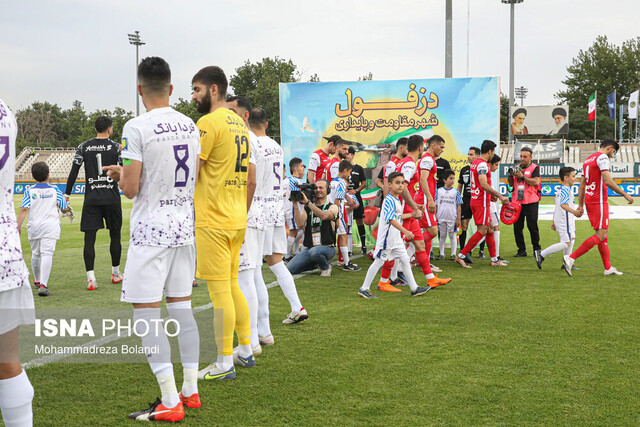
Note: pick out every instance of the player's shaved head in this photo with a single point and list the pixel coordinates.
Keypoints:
(212, 75)
(258, 118)
(154, 76)
(240, 101)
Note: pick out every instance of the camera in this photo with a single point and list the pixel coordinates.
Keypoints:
(514, 170)
(308, 189)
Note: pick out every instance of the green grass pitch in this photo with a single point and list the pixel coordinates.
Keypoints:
(499, 346)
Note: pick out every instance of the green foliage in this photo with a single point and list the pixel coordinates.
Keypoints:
(604, 67)
(47, 125)
(259, 82)
(366, 77)
(188, 108)
(504, 118)
(314, 78)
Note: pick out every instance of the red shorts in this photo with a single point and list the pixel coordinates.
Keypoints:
(428, 220)
(411, 224)
(598, 215)
(481, 214)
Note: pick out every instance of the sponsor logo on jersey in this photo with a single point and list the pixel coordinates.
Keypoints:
(125, 146)
(3, 111)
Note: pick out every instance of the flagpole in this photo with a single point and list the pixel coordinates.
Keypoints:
(595, 117)
(615, 114)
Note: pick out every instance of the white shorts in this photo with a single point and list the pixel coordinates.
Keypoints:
(446, 226)
(566, 234)
(495, 220)
(391, 253)
(250, 254)
(275, 240)
(152, 272)
(43, 246)
(343, 226)
(16, 308)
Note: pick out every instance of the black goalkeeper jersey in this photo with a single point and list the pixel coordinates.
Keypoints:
(99, 188)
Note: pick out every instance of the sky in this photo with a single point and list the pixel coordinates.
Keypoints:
(65, 50)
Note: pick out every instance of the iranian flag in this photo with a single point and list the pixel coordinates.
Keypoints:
(592, 107)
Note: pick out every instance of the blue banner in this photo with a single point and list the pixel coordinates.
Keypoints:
(550, 190)
(611, 102)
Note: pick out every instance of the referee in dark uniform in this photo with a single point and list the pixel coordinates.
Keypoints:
(101, 197)
(358, 182)
(464, 187)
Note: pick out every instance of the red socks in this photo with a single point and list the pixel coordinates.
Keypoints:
(603, 247)
(423, 261)
(586, 247)
(428, 237)
(386, 270)
(473, 242)
(491, 244)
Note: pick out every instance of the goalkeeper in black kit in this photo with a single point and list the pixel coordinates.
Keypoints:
(101, 197)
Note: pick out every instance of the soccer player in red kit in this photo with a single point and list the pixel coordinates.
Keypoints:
(482, 194)
(319, 160)
(413, 195)
(593, 193)
(428, 181)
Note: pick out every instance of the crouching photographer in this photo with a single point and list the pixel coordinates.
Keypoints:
(319, 221)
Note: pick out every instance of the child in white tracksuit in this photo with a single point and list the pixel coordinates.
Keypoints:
(41, 202)
(448, 210)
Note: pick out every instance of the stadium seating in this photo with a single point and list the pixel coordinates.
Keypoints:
(58, 160)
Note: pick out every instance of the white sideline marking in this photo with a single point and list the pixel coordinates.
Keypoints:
(52, 358)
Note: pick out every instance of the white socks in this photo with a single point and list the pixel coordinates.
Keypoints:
(115, 269)
(160, 361)
(264, 328)
(405, 265)
(91, 275)
(442, 241)
(46, 263)
(248, 287)
(569, 250)
(344, 250)
(496, 238)
(556, 247)
(453, 239)
(16, 395)
(372, 272)
(290, 242)
(225, 362)
(35, 266)
(350, 242)
(189, 344)
(394, 271)
(288, 286)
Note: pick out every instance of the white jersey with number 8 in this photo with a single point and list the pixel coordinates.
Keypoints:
(168, 144)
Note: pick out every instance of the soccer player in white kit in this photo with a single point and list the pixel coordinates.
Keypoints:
(160, 155)
(275, 239)
(16, 300)
(250, 251)
(564, 217)
(41, 203)
(390, 245)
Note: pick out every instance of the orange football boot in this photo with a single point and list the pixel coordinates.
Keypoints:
(192, 401)
(435, 282)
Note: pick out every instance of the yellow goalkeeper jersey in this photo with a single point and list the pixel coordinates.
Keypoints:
(221, 190)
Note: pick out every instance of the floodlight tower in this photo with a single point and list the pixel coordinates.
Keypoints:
(135, 40)
(511, 88)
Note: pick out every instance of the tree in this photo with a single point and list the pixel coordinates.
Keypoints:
(366, 77)
(188, 108)
(604, 67)
(314, 78)
(259, 82)
(504, 117)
